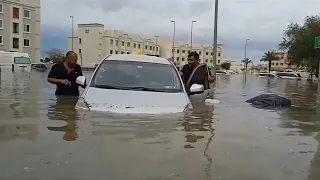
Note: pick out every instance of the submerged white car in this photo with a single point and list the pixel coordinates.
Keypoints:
(139, 84)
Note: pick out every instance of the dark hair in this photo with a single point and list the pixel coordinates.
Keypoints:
(69, 53)
(194, 54)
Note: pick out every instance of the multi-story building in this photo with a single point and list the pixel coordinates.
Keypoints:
(92, 42)
(20, 27)
(180, 55)
(282, 63)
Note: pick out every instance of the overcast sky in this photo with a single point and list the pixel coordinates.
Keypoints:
(262, 21)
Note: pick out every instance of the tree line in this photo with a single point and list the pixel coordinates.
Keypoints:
(299, 41)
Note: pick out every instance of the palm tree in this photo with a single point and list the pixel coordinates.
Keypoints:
(246, 61)
(268, 57)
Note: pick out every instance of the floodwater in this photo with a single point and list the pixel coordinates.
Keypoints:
(42, 137)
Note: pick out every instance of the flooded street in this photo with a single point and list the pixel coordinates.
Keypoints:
(42, 137)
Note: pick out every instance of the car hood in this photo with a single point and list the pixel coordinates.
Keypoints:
(133, 102)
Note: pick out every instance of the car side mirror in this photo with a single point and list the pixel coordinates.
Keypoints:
(81, 80)
(197, 89)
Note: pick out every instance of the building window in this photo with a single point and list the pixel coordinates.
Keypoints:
(128, 44)
(272, 64)
(116, 52)
(199, 52)
(173, 50)
(206, 60)
(80, 52)
(111, 42)
(189, 52)
(1, 8)
(86, 31)
(15, 13)
(276, 64)
(26, 42)
(218, 61)
(26, 14)
(1, 24)
(219, 54)
(139, 46)
(122, 52)
(158, 49)
(281, 64)
(207, 53)
(177, 58)
(182, 59)
(80, 40)
(26, 28)
(151, 48)
(146, 47)
(117, 43)
(15, 43)
(128, 52)
(211, 54)
(183, 51)
(134, 45)
(122, 43)
(111, 51)
(15, 28)
(1, 41)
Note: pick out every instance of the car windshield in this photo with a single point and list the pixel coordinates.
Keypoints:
(138, 76)
(22, 60)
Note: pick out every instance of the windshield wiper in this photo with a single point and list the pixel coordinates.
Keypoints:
(138, 88)
(107, 87)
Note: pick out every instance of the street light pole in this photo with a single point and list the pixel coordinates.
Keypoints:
(191, 34)
(215, 37)
(173, 38)
(245, 49)
(72, 32)
(156, 44)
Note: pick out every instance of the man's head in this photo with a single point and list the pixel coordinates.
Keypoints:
(71, 58)
(193, 59)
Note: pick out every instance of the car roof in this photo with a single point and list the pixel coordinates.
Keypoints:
(137, 58)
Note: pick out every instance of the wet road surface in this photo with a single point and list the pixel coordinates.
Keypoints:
(42, 137)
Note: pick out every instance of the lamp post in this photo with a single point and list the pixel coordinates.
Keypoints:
(215, 37)
(156, 44)
(72, 19)
(191, 34)
(245, 49)
(173, 37)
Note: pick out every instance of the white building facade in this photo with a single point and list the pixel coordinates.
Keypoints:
(20, 27)
(93, 43)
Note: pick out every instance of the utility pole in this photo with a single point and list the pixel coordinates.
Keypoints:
(157, 45)
(191, 34)
(173, 37)
(245, 49)
(72, 19)
(215, 37)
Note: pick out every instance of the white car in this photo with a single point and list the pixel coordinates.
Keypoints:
(139, 84)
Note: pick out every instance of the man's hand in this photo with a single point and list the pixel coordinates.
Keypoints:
(65, 82)
(212, 79)
(181, 74)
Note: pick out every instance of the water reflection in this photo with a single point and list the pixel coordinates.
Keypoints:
(64, 110)
(197, 123)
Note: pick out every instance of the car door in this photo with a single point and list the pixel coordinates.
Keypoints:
(199, 76)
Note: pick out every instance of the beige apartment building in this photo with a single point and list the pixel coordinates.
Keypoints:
(20, 27)
(181, 52)
(93, 43)
(282, 63)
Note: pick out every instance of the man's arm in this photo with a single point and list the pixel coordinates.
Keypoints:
(52, 76)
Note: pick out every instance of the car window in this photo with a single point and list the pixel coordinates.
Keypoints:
(22, 60)
(199, 76)
(127, 75)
